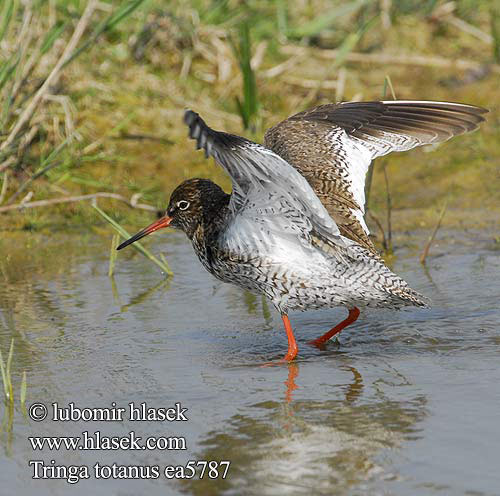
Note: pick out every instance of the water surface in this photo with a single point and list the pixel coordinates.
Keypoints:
(407, 404)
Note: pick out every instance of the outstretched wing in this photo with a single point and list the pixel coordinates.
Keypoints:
(333, 145)
(270, 199)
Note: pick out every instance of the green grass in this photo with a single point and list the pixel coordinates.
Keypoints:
(137, 246)
(114, 94)
(325, 20)
(115, 241)
(33, 49)
(248, 105)
(6, 372)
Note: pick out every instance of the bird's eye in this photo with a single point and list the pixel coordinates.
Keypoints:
(183, 205)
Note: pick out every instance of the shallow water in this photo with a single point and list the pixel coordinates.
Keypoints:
(407, 404)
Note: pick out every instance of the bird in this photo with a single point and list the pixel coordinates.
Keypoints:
(293, 227)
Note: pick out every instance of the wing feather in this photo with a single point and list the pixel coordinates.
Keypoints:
(333, 145)
(269, 196)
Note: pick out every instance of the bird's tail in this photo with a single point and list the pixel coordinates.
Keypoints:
(385, 287)
(409, 297)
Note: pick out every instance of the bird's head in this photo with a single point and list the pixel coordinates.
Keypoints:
(191, 203)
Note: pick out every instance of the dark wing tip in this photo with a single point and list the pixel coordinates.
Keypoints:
(457, 106)
(207, 138)
(466, 117)
(190, 117)
(199, 131)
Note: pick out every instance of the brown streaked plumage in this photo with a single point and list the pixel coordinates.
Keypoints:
(293, 228)
(311, 141)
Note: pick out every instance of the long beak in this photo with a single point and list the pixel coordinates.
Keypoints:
(159, 224)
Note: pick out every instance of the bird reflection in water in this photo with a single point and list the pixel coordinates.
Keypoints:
(301, 444)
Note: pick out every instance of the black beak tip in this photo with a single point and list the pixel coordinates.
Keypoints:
(125, 243)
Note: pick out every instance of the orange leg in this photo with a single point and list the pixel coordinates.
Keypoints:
(353, 316)
(292, 345)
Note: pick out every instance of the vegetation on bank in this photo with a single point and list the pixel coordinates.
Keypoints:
(92, 96)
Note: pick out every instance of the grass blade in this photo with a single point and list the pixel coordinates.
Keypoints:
(111, 21)
(138, 246)
(282, 17)
(46, 164)
(388, 83)
(495, 32)
(351, 41)
(248, 107)
(8, 10)
(4, 376)
(52, 36)
(23, 389)
(323, 21)
(113, 254)
(9, 376)
(425, 252)
(7, 70)
(369, 175)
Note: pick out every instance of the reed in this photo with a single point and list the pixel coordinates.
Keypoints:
(495, 32)
(324, 20)
(137, 246)
(427, 247)
(31, 66)
(5, 369)
(8, 389)
(369, 175)
(24, 388)
(113, 254)
(272, 58)
(248, 105)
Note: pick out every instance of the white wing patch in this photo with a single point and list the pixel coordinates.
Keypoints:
(352, 159)
(270, 198)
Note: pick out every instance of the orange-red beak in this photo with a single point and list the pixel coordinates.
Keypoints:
(159, 224)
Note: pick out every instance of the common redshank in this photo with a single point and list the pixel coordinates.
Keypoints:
(293, 227)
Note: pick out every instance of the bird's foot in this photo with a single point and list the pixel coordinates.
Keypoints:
(321, 344)
(322, 340)
(286, 360)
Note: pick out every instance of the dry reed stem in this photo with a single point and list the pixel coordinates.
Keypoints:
(280, 68)
(27, 68)
(381, 228)
(186, 65)
(74, 199)
(28, 112)
(389, 83)
(341, 79)
(24, 40)
(470, 29)
(389, 210)
(7, 163)
(445, 13)
(390, 59)
(26, 183)
(258, 56)
(433, 235)
(4, 186)
(27, 198)
(68, 110)
(385, 13)
(312, 84)
(27, 139)
(224, 60)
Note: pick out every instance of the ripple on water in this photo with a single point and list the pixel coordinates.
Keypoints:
(361, 416)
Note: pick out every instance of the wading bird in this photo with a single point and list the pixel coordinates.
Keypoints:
(293, 227)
